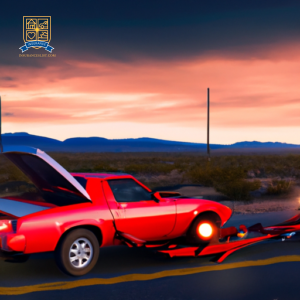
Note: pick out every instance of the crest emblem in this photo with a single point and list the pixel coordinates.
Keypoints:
(36, 32)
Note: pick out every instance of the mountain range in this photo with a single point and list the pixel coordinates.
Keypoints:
(99, 144)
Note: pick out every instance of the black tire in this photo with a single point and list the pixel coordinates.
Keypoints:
(194, 238)
(86, 259)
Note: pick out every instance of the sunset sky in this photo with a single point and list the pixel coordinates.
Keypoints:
(128, 69)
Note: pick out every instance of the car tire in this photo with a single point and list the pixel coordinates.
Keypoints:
(195, 238)
(77, 252)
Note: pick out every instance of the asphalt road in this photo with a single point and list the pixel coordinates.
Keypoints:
(269, 270)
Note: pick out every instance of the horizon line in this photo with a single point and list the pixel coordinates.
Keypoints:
(23, 133)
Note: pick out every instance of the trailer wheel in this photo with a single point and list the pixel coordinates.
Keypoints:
(204, 230)
(78, 252)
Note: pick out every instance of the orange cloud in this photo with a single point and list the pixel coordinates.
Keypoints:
(261, 91)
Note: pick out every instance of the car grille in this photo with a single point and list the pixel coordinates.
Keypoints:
(14, 225)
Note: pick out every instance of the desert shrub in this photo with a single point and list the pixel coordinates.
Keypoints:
(9, 172)
(151, 168)
(229, 180)
(103, 167)
(209, 174)
(238, 189)
(279, 187)
(223, 172)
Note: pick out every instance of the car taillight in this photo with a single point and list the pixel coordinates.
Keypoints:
(3, 226)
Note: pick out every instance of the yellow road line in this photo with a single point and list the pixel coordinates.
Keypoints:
(65, 285)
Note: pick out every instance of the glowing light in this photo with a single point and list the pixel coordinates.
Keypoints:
(205, 230)
(195, 212)
(3, 226)
(241, 234)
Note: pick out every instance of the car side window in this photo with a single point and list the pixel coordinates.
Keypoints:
(127, 190)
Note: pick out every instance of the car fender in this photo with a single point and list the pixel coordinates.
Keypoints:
(44, 229)
(107, 229)
(189, 209)
(224, 212)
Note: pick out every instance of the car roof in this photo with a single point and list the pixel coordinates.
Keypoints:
(106, 176)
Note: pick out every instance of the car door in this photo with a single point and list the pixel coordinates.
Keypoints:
(136, 213)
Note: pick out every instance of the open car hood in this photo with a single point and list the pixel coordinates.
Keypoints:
(47, 175)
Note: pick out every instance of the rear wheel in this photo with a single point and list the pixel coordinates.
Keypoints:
(204, 230)
(78, 252)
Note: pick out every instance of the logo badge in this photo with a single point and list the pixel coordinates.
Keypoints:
(36, 33)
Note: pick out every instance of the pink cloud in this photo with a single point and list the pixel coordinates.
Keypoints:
(262, 90)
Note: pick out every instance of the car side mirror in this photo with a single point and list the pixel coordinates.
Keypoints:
(156, 197)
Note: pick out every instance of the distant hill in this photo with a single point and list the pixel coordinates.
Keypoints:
(99, 144)
(255, 144)
(25, 139)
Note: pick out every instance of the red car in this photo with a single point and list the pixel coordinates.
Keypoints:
(76, 214)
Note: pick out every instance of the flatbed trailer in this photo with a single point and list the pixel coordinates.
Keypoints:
(232, 239)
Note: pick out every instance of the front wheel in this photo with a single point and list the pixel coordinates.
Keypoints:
(78, 252)
(204, 230)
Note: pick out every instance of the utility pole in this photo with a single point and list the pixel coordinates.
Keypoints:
(208, 149)
(1, 146)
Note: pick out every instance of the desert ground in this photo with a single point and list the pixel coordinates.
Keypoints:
(246, 180)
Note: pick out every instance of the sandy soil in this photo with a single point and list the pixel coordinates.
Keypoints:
(259, 205)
